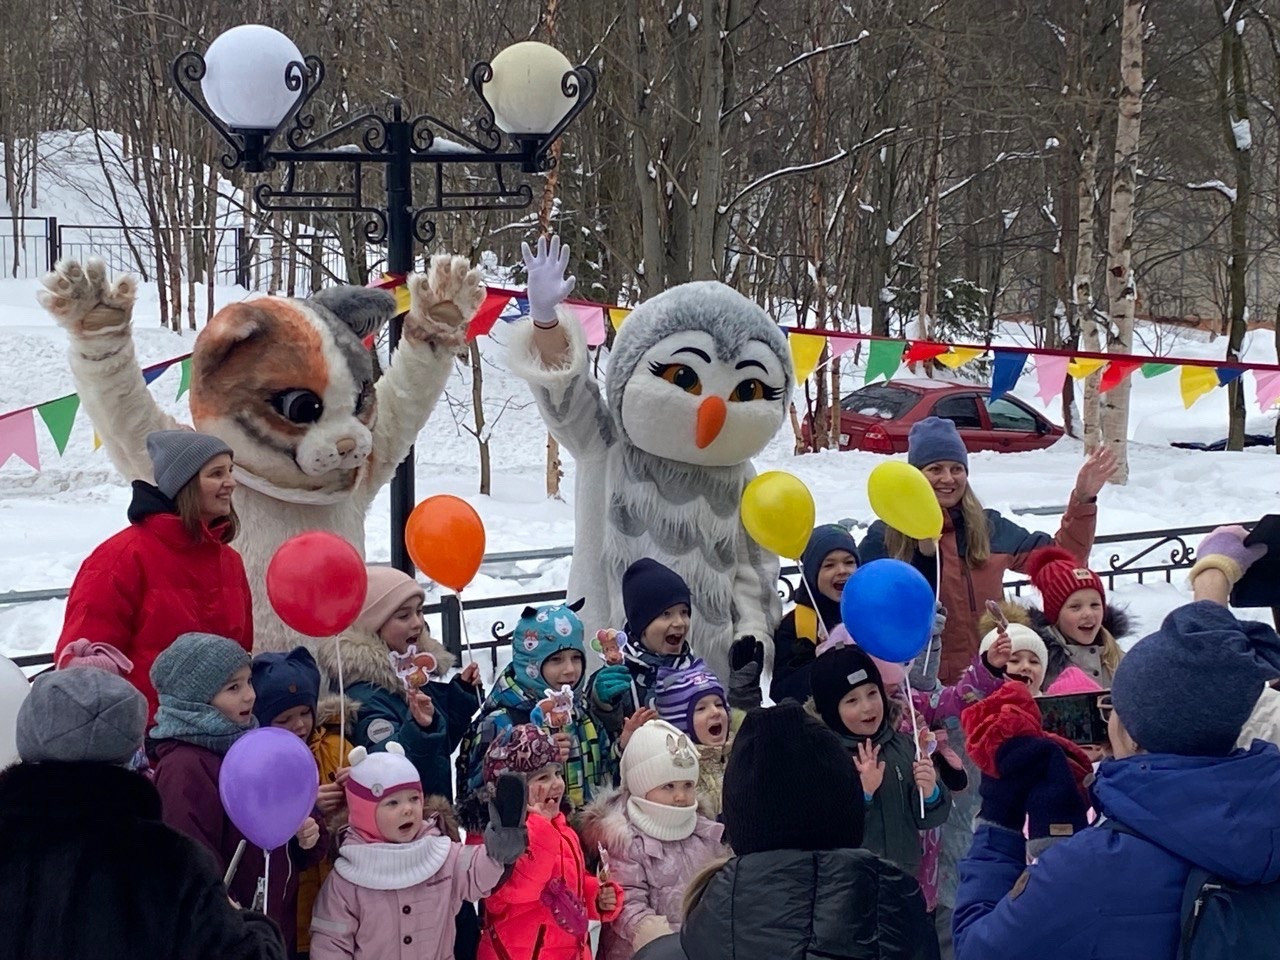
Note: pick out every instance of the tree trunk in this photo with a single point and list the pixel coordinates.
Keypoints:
(1233, 98)
(932, 212)
(555, 472)
(477, 413)
(1082, 285)
(1121, 283)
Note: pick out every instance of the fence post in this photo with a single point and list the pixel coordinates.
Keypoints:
(242, 258)
(53, 240)
(451, 624)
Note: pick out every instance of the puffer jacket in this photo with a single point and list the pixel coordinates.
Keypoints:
(803, 905)
(591, 767)
(965, 591)
(142, 588)
(390, 901)
(383, 714)
(517, 921)
(653, 873)
(1217, 813)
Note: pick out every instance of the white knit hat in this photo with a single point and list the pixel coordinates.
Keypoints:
(657, 753)
(1021, 637)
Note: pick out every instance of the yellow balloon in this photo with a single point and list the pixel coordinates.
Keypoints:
(902, 497)
(778, 512)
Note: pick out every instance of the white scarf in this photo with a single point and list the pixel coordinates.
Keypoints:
(661, 821)
(392, 866)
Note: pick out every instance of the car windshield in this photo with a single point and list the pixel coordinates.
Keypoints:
(880, 400)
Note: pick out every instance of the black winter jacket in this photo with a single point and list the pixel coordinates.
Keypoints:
(801, 905)
(89, 872)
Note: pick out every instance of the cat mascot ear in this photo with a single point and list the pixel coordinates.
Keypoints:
(363, 309)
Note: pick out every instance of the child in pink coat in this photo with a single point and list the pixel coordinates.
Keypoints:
(399, 880)
(652, 836)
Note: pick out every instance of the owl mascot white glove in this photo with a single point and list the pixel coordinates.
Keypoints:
(698, 382)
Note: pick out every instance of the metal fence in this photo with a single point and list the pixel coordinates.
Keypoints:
(1136, 555)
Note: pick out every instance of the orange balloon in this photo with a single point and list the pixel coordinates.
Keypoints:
(445, 539)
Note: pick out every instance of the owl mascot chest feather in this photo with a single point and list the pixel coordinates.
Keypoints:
(287, 384)
(697, 383)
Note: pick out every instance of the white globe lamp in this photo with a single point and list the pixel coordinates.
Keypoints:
(244, 82)
(525, 89)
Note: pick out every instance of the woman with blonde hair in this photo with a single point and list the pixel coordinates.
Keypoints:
(978, 546)
(171, 571)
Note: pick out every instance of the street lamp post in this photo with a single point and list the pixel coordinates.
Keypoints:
(256, 86)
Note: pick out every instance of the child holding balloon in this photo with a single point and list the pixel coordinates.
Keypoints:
(206, 705)
(403, 699)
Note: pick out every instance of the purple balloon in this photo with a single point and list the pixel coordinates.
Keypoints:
(268, 785)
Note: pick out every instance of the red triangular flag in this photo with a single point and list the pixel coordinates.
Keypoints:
(1115, 373)
(487, 315)
(922, 350)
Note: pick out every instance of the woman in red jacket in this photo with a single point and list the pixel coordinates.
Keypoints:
(171, 570)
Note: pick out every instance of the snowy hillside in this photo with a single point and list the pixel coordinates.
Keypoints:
(53, 518)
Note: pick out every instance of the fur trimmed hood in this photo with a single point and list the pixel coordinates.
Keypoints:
(1115, 621)
(364, 659)
(603, 823)
(331, 705)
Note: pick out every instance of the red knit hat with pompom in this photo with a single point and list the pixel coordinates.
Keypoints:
(1058, 574)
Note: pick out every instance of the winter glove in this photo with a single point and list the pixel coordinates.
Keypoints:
(1055, 805)
(506, 838)
(548, 285)
(612, 684)
(746, 661)
(924, 669)
(1224, 550)
(1021, 764)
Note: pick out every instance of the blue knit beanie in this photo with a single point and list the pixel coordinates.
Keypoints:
(933, 439)
(824, 541)
(649, 588)
(541, 633)
(283, 681)
(1189, 687)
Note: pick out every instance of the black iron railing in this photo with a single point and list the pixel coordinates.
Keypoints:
(1151, 553)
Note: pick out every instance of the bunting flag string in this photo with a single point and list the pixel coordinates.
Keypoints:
(883, 359)
(806, 348)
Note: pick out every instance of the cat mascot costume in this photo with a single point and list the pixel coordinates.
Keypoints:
(288, 385)
(698, 382)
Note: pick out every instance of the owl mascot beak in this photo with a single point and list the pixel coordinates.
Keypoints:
(711, 416)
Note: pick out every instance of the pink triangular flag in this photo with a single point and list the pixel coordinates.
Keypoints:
(839, 345)
(591, 317)
(1051, 371)
(1268, 384)
(18, 438)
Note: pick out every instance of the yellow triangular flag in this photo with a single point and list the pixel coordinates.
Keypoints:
(1079, 369)
(957, 357)
(806, 348)
(402, 298)
(97, 440)
(1196, 382)
(616, 316)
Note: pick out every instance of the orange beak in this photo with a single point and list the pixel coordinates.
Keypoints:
(711, 416)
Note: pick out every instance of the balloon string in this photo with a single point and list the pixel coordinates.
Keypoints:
(826, 629)
(937, 569)
(266, 881)
(342, 700)
(466, 635)
(915, 729)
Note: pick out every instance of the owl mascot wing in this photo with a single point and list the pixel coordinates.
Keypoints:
(697, 383)
(288, 385)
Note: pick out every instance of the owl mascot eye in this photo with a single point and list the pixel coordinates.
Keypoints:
(697, 383)
(289, 385)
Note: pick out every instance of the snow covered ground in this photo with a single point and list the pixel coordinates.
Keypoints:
(52, 519)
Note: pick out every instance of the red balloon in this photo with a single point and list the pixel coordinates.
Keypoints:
(445, 539)
(316, 583)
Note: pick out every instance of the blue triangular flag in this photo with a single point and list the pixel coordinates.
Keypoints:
(1006, 371)
(150, 376)
(1227, 374)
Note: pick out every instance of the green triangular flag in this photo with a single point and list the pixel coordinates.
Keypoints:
(59, 415)
(1150, 370)
(883, 359)
(185, 385)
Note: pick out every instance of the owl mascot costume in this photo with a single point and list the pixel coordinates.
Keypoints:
(698, 382)
(288, 385)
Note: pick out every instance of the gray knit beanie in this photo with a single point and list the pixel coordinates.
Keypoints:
(196, 666)
(178, 455)
(1189, 687)
(85, 715)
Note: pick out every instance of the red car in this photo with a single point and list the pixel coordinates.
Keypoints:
(878, 417)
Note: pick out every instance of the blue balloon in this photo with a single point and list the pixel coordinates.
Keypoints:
(887, 607)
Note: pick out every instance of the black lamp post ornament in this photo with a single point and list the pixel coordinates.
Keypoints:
(255, 89)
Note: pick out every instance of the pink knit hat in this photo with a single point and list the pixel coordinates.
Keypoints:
(388, 588)
(373, 777)
(85, 653)
(1072, 680)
